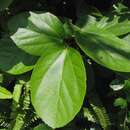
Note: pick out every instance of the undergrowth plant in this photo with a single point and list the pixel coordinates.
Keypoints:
(45, 73)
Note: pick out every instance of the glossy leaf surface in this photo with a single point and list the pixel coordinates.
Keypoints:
(106, 49)
(44, 31)
(58, 86)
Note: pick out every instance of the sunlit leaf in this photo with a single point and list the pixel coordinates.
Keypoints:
(58, 86)
(5, 94)
(44, 31)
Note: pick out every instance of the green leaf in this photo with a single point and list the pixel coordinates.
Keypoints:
(5, 94)
(58, 86)
(89, 115)
(42, 127)
(127, 85)
(118, 28)
(119, 8)
(5, 3)
(68, 27)
(18, 21)
(44, 31)
(13, 60)
(115, 26)
(120, 102)
(117, 85)
(106, 49)
(1, 78)
(128, 117)
(127, 38)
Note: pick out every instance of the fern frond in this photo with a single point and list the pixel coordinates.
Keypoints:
(20, 106)
(31, 120)
(24, 107)
(100, 111)
(4, 121)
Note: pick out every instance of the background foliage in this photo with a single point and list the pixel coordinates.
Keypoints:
(70, 24)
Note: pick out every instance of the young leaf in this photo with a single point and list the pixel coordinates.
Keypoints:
(58, 86)
(13, 60)
(44, 31)
(106, 49)
(5, 94)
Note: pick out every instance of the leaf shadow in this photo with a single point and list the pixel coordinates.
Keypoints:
(13, 57)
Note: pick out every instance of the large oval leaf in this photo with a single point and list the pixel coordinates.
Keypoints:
(44, 31)
(106, 49)
(13, 60)
(58, 86)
